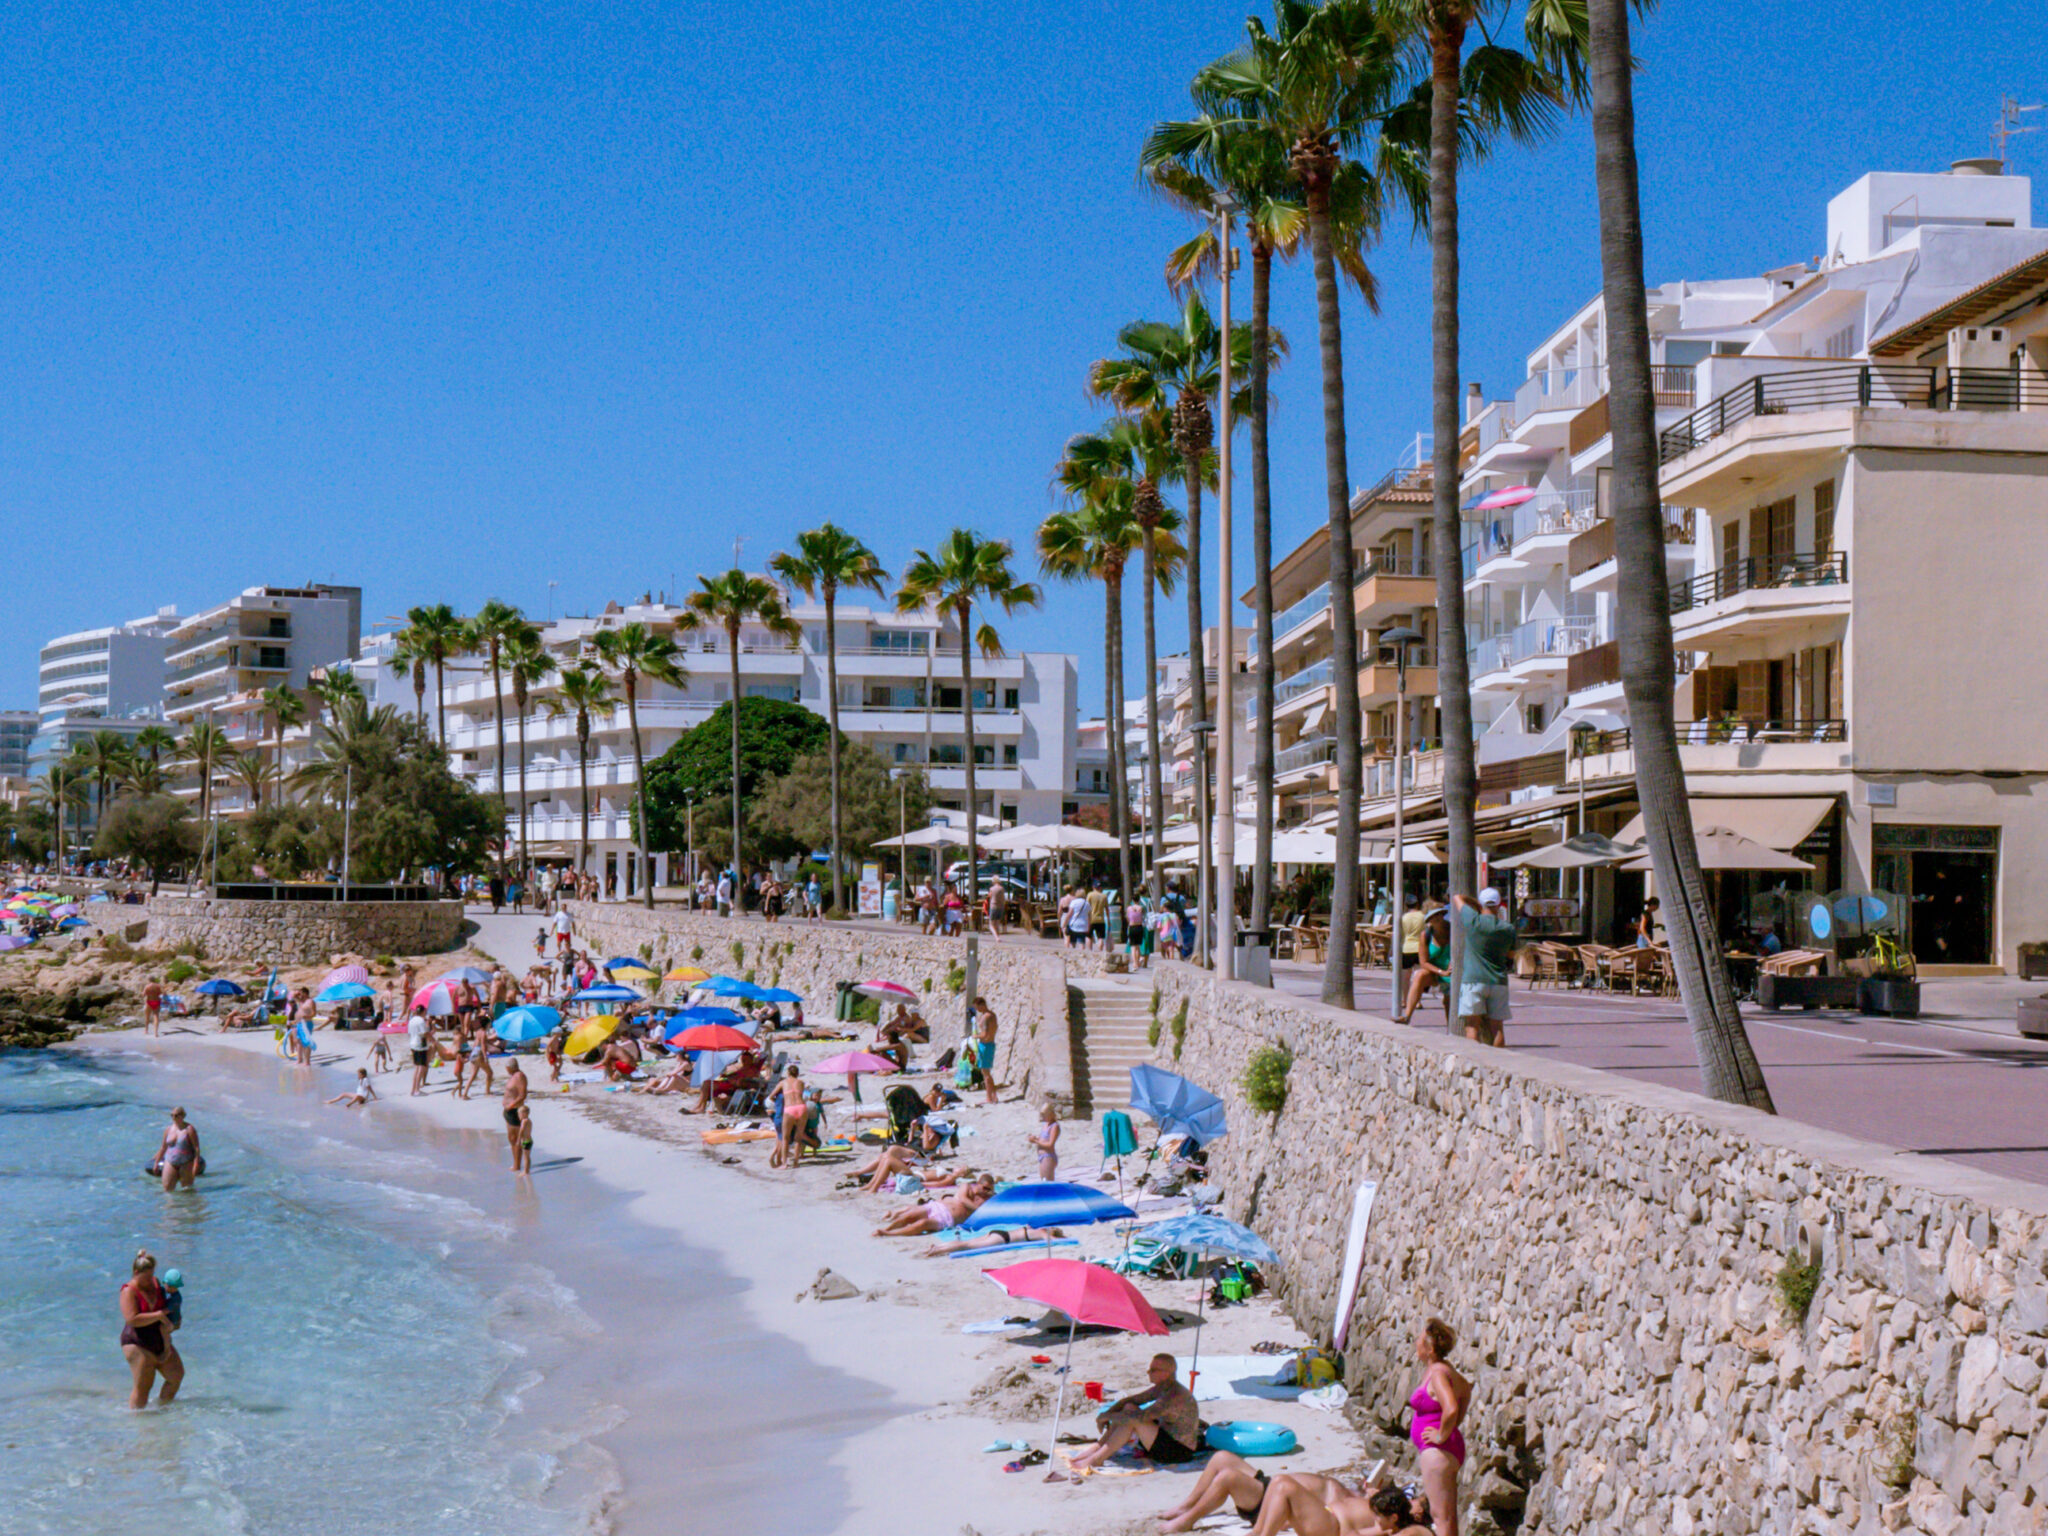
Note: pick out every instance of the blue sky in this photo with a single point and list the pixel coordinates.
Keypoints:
(455, 301)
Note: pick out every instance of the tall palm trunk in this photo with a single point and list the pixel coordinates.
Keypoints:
(967, 705)
(1262, 591)
(519, 699)
(1119, 800)
(583, 773)
(1198, 680)
(498, 707)
(1315, 163)
(632, 682)
(732, 636)
(280, 762)
(441, 705)
(1155, 788)
(830, 594)
(1728, 1067)
(419, 694)
(1454, 673)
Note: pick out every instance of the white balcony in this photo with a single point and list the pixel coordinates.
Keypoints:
(1759, 598)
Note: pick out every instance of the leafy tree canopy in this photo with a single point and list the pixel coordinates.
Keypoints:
(156, 831)
(798, 806)
(773, 735)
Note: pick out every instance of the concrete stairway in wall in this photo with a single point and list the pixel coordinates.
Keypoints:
(1110, 1021)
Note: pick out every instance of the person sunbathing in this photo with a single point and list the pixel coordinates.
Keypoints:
(886, 1165)
(994, 1238)
(621, 1059)
(1227, 1479)
(939, 1215)
(1323, 1506)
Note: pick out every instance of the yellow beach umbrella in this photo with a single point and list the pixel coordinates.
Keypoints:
(590, 1034)
(687, 973)
(633, 970)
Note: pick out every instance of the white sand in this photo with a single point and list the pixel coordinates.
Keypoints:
(921, 1468)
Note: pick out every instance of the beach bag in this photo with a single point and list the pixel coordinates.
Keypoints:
(907, 1184)
(1310, 1368)
(964, 1072)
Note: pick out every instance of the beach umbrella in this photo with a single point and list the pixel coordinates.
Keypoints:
(440, 998)
(343, 992)
(99, 896)
(341, 973)
(69, 909)
(1047, 1203)
(851, 1062)
(591, 1033)
(70, 923)
(687, 973)
(1508, 496)
(777, 995)
(516, 1025)
(1175, 1104)
(605, 992)
(705, 1015)
(219, 986)
(1723, 849)
(470, 973)
(14, 941)
(629, 969)
(708, 1037)
(887, 991)
(1210, 1237)
(1087, 1293)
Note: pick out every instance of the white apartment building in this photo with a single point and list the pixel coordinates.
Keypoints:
(219, 661)
(116, 672)
(1169, 681)
(900, 692)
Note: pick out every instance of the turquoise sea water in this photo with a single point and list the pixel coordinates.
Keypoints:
(372, 1341)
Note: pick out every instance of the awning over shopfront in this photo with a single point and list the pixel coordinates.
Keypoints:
(1776, 823)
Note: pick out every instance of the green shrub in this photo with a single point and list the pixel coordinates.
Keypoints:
(1798, 1280)
(696, 953)
(867, 1010)
(738, 951)
(384, 963)
(749, 977)
(1265, 1079)
(1180, 1028)
(180, 971)
(956, 978)
(927, 984)
(647, 951)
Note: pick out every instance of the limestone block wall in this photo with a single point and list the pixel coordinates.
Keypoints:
(1609, 1253)
(1025, 983)
(302, 932)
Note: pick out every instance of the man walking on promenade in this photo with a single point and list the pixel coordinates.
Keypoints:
(1483, 978)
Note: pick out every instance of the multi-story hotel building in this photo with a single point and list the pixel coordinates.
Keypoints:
(218, 662)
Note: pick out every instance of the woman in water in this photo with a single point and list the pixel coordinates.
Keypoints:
(1439, 1405)
(178, 1155)
(146, 1333)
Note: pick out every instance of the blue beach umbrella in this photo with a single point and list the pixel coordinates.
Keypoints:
(1177, 1104)
(605, 992)
(220, 986)
(726, 986)
(470, 973)
(344, 992)
(515, 1026)
(1039, 1203)
(777, 995)
(688, 1016)
(1211, 1237)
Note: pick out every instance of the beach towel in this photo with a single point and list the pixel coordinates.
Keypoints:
(722, 1138)
(1220, 1378)
(1024, 1249)
(1118, 1137)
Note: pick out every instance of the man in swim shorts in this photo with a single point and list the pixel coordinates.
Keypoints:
(1163, 1419)
(985, 1045)
(515, 1098)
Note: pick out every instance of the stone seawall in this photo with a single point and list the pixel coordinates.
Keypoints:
(301, 932)
(1609, 1253)
(1026, 985)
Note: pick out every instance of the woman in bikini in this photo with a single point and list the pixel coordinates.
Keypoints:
(1439, 1405)
(146, 1334)
(939, 1215)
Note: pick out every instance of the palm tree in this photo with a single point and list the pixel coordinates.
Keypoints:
(435, 635)
(1226, 151)
(967, 569)
(1137, 451)
(527, 662)
(144, 778)
(582, 690)
(634, 652)
(152, 742)
(286, 709)
(730, 601)
(825, 560)
(248, 770)
(1472, 102)
(1094, 542)
(1173, 368)
(335, 692)
(205, 747)
(102, 758)
(485, 635)
(59, 792)
(357, 736)
(408, 655)
(1728, 1066)
(1323, 80)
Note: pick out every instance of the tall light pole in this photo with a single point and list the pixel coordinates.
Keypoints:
(1225, 881)
(1398, 640)
(690, 835)
(1205, 820)
(1583, 732)
(348, 781)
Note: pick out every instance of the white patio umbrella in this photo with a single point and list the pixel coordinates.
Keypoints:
(1583, 852)
(1413, 853)
(926, 837)
(1723, 849)
(1050, 839)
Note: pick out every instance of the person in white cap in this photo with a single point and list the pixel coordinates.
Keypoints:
(1483, 978)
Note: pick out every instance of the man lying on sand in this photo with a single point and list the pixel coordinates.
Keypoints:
(939, 1215)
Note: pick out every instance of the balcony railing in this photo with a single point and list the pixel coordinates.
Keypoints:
(1759, 574)
(1539, 637)
(1379, 564)
(1293, 618)
(1863, 386)
(1305, 754)
(1307, 680)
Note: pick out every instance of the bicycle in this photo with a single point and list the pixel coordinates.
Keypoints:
(1891, 960)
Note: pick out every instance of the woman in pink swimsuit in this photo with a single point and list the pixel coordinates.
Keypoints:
(1439, 1405)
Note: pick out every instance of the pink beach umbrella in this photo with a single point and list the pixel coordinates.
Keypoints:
(887, 991)
(439, 997)
(851, 1062)
(1507, 496)
(343, 974)
(1086, 1293)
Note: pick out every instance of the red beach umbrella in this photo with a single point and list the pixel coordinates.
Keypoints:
(711, 1037)
(1087, 1293)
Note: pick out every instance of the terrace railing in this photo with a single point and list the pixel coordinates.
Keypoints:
(1760, 573)
(1862, 386)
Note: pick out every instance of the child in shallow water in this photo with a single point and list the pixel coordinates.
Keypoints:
(522, 1154)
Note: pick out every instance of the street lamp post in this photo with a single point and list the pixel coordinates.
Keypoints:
(348, 780)
(1225, 878)
(1583, 732)
(1204, 820)
(1398, 641)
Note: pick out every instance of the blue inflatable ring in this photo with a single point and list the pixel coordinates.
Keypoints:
(1248, 1438)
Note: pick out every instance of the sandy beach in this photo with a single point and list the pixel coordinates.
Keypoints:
(930, 1397)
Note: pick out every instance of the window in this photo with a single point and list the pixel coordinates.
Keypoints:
(1824, 519)
(1009, 698)
(1731, 551)
(1841, 344)
(1010, 755)
(1009, 814)
(786, 692)
(906, 640)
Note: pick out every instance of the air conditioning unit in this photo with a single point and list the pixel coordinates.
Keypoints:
(1978, 346)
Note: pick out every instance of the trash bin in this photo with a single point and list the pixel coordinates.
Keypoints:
(1255, 956)
(844, 1003)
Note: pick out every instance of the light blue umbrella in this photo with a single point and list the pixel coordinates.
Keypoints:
(776, 995)
(685, 1017)
(1040, 1203)
(1210, 1237)
(732, 986)
(516, 1025)
(605, 992)
(1177, 1104)
(344, 992)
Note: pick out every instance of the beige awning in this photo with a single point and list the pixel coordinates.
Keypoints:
(1776, 823)
(1312, 716)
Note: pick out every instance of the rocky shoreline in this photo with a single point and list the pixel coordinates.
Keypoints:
(33, 1017)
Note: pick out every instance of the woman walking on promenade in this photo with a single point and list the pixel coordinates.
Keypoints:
(1439, 1405)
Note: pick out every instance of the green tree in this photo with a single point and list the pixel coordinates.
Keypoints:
(1136, 451)
(528, 664)
(485, 635)
(205, 749)
(798, 807)
(249, 772)
(435, 635)
(966, 570)
(826, 561)
(729, 602)
(103, 758)
(154, 743)
(285, 709)
(634, 652)
(388, 783)
(145, 777)
(155, 831)
(1728, 1066)
(410, 653)
(582, 691)
(773, 734)
(56, 794)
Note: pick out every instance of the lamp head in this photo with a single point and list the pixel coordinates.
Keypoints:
(1395, 643)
